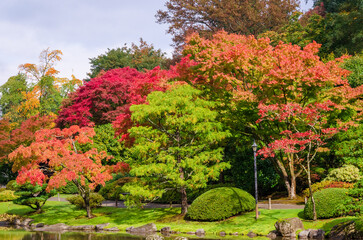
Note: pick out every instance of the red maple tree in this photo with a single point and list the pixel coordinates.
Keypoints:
(105, 97)
(54, 158)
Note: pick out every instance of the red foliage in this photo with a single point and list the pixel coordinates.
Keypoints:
(11, 138)
(54, 157)
(110, 95)
(339, 185)
(304, 127)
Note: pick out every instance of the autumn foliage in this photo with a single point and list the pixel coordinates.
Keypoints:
(54, 157)
(107, 98)
(290, 87)
(23, 135)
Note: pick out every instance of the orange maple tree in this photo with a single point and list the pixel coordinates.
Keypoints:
(55, 159)
(244, 71)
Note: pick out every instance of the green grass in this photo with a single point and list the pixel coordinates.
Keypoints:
(63, 212)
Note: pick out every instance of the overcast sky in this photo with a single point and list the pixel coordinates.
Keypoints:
(81, 29)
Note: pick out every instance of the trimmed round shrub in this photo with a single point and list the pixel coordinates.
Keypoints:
(220, 203)
(328, 202)
(95, 200)
(7, 195)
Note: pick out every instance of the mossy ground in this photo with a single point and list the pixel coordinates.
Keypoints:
(63, 212)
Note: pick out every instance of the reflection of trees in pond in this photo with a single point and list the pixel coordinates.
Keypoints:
(68, 236)
(10, 234)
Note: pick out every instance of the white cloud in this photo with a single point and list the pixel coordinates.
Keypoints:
(80, 29)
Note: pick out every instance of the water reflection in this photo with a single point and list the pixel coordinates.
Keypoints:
(24, 235)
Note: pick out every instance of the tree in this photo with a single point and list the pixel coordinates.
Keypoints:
(11, 95)
(46, 90)
(241, 72)
(142, 57)
(334, 24)
(107, 98)
(33, 196)
(54, 159)
(355, 65)
(105, 140)
(206, 17)
(11, 137)
(176, 144)
(303, 134)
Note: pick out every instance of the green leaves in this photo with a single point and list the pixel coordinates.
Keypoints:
(176, 144)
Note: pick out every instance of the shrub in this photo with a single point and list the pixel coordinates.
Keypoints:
(95, 200)
(347, 173)
(7, 195)
(328, 203)
(11, 185)
(327, 184)
(174, 196)
(70, 188)
(220, 203)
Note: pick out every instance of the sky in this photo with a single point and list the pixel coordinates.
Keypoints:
(81, 29)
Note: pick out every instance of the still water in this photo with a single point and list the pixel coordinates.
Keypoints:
(25, 235)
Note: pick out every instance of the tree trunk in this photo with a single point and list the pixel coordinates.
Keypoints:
(292, 192)
(86, 199)
(289, 180)
(311, 193)
(184, 201)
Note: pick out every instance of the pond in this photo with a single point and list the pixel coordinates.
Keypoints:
(26, 235)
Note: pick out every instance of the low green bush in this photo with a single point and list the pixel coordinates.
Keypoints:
(220, 203)
(328, 203)
(7, 195)
(95, 200)
(347, 173)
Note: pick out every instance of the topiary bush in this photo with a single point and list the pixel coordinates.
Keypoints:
(95, 200)
(220, 203)
(328, 203)
(347, 173)
(7, 195)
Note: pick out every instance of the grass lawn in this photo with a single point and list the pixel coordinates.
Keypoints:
(63, 212)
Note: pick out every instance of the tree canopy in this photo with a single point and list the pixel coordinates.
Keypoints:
(176, 144)
(107, 98)
(141, 57)
(206, 17)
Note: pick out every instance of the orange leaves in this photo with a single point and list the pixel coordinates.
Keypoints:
(55, 150)
(253, 70)
(47, 60)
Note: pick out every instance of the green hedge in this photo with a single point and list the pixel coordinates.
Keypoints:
(327, 202)
(220, 203)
